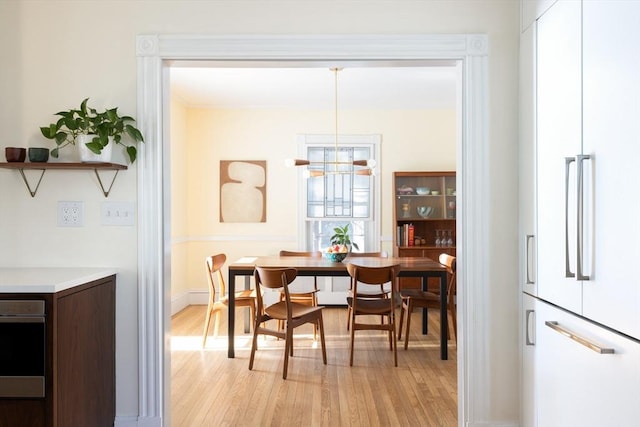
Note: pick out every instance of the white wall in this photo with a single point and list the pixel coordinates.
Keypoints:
(55, 53)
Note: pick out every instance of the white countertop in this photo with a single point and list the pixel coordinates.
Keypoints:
(48, 280)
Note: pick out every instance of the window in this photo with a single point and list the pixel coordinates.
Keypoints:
(336, 199)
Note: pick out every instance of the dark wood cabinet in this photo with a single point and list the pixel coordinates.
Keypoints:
(424, 217)
(79, 360)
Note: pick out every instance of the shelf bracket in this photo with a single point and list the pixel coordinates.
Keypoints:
(26, 181)
(108, 190)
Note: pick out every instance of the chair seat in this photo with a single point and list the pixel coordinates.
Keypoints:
(241, 296)
(371, 294)
(279, 310)
(371, 306)
(419, 294)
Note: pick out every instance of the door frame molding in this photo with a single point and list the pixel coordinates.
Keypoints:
(156, 52)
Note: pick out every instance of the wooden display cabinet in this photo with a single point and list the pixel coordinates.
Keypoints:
(425, 201)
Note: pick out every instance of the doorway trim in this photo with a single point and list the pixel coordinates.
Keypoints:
(155, 54)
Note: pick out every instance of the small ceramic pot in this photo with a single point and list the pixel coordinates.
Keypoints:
(38, 155)
(15, 154)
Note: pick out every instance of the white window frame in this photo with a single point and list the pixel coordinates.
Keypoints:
(372, 224)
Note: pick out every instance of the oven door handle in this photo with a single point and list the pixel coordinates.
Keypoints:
(21, 319)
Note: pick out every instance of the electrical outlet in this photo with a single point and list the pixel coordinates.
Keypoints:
(117, 213)
(70, 214)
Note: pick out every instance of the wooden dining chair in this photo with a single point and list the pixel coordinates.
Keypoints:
(417, 298)
(361, 278)
(292, 313)
(218, 299)
(372, 292)
(300, 295)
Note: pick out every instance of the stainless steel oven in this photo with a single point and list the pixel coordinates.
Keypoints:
(22, 348)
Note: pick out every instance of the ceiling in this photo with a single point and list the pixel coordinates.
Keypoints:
(360, 86)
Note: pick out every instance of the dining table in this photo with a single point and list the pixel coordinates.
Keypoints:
(421, 267)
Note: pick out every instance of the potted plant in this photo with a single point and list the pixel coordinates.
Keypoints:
(94, 130)
(340, 244)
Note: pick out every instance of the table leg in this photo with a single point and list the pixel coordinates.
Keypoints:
(425, 316)
(444, 322)
(231, 315)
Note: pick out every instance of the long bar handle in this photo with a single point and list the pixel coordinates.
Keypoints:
(530, 238)
(567, 268)
(580, 222)
(585, 342)
(527, 316)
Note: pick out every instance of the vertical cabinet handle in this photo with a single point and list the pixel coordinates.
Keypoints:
(580, 218)
(567, 164)
(529, 280)
(528, 327)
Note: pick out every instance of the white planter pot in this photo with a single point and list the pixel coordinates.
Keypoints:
(88, 156)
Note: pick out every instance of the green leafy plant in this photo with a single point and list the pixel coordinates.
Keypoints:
(341, 237)
(104, 126)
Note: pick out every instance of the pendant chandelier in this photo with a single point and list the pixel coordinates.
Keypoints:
(356, 167)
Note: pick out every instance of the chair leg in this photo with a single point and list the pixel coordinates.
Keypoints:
(392, 320)
(216, 323)
(252, 310)
(324, 350)
(314, 299)
(288, 347)
(348, 316)
(207, 320)
(353, 331)
(402, 309)
(454, 320)
(409, 311)
(254, 344)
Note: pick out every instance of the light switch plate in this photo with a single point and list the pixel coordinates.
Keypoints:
(117, 213)
(70, 214)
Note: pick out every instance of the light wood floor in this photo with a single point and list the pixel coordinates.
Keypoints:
(208, 389)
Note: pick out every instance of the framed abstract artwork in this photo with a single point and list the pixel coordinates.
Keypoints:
(243, 191)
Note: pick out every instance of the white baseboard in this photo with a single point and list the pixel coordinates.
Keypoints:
(190, 297)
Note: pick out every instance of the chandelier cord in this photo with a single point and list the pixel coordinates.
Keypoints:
(335, 72)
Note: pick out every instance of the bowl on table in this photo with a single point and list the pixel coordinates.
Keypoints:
(423, 191)
(335, 256)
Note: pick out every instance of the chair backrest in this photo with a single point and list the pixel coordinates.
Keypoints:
(373, 276)
(381, 254)
(214, 265)
(312, 254)
(449, 262)
(273, 278)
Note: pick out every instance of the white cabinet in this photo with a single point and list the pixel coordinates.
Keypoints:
(587, 203)
(577, 386)
(611, 134)
(588, 93)
(527, 157)
(559, 126)
(528, 370)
